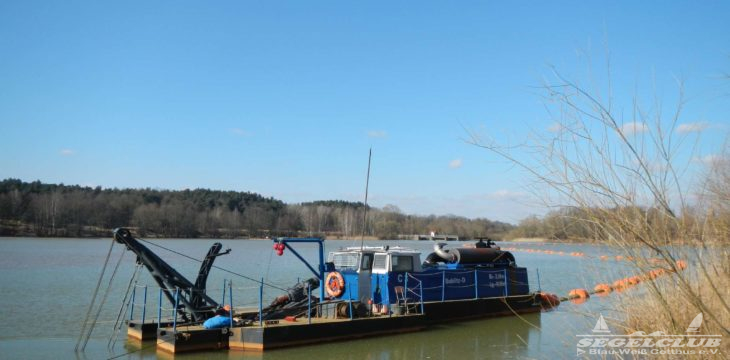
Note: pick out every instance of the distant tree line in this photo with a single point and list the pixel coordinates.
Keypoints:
(575, 224)
(599, 224)
(38, 209)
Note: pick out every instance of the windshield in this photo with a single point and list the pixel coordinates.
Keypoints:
(345, 261)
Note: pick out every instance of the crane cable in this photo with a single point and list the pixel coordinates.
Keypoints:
(93, 297)
(103, 300)
(219, 268)
(123, 308)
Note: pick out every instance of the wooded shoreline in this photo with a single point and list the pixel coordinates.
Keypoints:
(57, 210)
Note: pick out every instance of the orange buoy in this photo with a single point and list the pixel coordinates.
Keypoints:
(554, 299)
(619, 284)
(619, 257)
(634, 280)
(578, 296)
(604, 257)
(651, 274)
(602, 289)
(681, 264)
(549, 300)
(579, 293)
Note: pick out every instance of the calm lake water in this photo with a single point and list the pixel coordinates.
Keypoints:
(47, 285)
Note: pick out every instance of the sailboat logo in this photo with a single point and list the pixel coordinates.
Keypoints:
(602, 342)
(601, 326)
(694, 326)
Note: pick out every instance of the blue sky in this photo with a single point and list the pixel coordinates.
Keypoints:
(286, 98)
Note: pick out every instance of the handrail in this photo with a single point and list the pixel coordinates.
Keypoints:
(133, 302)
(481, 279)
(412, 290)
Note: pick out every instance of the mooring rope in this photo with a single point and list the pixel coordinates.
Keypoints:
(219, 268)
(93, 297)
(515, 313)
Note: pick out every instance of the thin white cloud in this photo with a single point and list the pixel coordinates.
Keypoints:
(377, 134)
(712, 159)
(67, 152)
(456, 163)
(505, 194)
(240, 132)
(556, 128)
(651, 165)
(633, 128)
(692, 127)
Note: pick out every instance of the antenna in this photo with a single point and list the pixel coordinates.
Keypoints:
(365, 216)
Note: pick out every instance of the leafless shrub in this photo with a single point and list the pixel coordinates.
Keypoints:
(626, 175)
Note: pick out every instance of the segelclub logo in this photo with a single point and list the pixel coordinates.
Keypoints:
(602, 342)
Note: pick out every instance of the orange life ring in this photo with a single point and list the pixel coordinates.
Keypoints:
(334, 284)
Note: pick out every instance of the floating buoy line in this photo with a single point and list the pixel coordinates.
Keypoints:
(580, 295)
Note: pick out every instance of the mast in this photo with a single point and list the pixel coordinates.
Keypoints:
(365, 216)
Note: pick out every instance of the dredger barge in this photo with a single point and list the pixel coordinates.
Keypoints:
(358, 292)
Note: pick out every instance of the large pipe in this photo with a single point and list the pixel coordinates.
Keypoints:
(444, 254)
(469, 255)
(481, 255)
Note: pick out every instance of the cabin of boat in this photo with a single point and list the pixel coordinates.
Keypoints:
(384, 276)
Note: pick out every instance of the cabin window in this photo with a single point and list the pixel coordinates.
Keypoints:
(402, 263)
(367, 262)
(345, 261)
(379, 263)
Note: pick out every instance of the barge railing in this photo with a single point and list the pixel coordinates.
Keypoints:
(417, 292)
(474, 283)
(309, 304)
(173, 310)
(133, 303)
(261, 303)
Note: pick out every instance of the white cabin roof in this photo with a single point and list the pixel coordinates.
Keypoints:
(379, 249)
